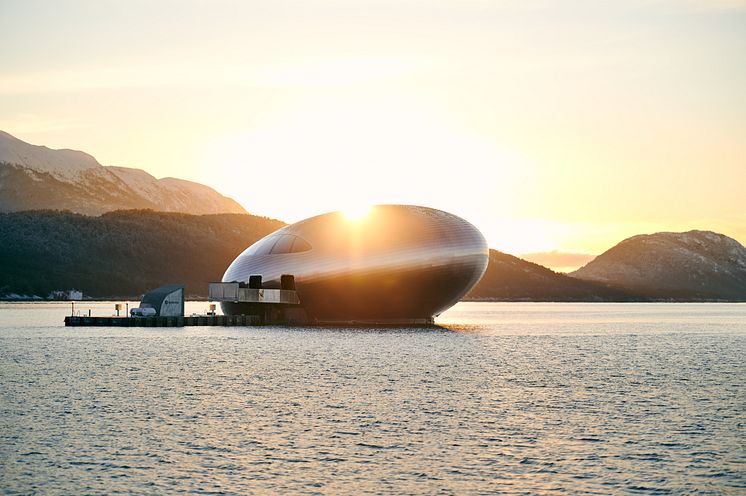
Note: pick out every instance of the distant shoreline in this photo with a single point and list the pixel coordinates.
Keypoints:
(469, 300)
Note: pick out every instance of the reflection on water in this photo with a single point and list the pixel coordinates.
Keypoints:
(503, 397)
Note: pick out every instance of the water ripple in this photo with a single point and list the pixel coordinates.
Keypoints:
(519, 399)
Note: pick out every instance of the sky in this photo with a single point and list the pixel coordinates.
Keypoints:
(557, 128)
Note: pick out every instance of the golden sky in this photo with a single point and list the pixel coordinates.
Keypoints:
(554, 127)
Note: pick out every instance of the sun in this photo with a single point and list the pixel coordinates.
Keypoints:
(356, 213)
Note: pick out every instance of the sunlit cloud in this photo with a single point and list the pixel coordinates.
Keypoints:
(334, 71)
(303, 72)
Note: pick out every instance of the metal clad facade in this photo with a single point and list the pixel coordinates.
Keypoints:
(402, 262)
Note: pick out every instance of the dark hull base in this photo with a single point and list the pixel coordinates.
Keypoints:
(403, 322)
(410, 297)
(268, 314)
(401, 296)
(294, 315)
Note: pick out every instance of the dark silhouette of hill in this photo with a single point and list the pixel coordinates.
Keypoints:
(510, 278)
(122, 253)
(694, 265)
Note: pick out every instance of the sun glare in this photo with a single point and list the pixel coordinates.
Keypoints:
(357, 213)
(397, 153)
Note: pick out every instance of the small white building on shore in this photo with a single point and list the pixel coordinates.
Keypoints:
(66, 294)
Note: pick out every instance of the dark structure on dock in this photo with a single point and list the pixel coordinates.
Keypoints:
(167, 301)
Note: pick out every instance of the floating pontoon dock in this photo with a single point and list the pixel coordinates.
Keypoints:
(194, 320)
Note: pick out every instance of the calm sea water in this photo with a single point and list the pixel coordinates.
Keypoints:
(508, 398)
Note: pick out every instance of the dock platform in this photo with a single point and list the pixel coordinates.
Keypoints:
(155, 321)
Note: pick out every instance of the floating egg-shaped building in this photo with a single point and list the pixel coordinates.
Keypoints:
(395, 264)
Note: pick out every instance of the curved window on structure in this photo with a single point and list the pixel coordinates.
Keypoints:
(265, 247)
(286, 243)
(300, 245)
(283, 244)
(279, 244)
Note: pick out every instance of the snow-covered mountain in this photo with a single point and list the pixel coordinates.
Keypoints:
(36, 177)
(689, 265)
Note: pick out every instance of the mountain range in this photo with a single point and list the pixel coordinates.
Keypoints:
(127, 252)
(71, 222)
(36, 177)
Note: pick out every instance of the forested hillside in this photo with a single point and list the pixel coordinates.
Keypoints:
(122, 253)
